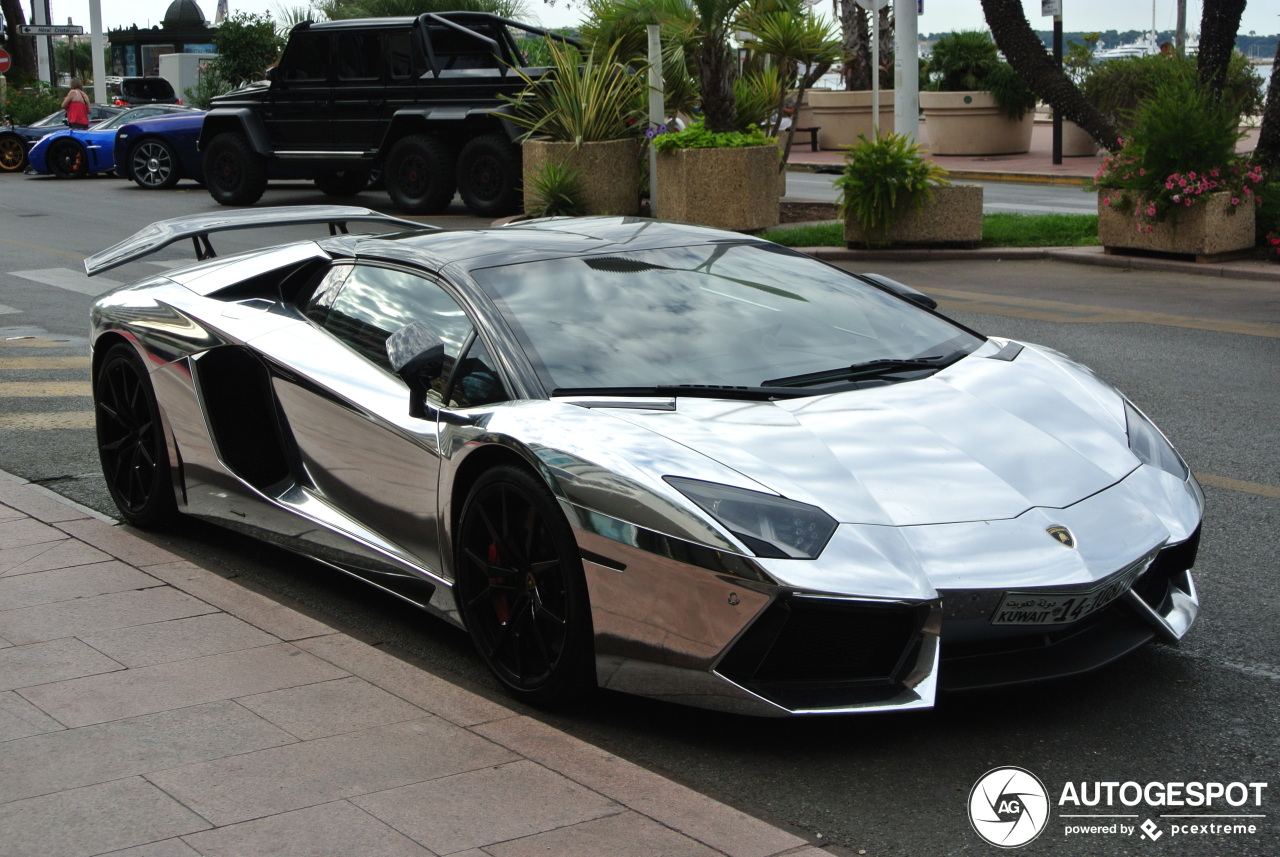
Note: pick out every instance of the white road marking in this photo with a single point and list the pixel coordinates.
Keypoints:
(72, 281)
(5, 309)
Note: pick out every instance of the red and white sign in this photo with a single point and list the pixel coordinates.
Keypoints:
(5, 61)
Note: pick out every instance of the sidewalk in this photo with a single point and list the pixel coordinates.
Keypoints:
(151, 708)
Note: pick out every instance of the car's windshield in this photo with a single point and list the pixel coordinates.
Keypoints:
(58, 118)
(720, 314)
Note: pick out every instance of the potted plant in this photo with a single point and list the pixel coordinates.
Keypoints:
(889, 193)
(583, 117)
(975, 103)
(1178, 185)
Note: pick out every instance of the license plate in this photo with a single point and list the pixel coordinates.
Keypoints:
(1035, 608)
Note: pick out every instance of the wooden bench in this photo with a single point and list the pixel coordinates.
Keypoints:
(813, 136)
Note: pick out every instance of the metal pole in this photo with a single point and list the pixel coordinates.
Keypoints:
(657, 110)
(875, 72)
(1057, 114)
(95, 41)
(906, 63)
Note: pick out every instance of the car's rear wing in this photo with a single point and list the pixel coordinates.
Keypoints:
(198, 227)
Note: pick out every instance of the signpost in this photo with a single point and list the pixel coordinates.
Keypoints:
(1054, 8)
(50, 30)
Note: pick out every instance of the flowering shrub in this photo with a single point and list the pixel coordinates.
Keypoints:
(31, 103)
(1181, 149)
(1273, 244)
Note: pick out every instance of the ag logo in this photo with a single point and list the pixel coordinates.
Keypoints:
(1063, 536)
(1008, 807)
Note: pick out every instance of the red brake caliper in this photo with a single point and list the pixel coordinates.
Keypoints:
(500, 606)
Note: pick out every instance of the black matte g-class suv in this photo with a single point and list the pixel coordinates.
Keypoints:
(412, 97)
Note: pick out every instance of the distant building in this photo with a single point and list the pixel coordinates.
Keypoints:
(136, 52)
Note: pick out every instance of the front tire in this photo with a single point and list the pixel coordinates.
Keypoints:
(342, 182)
(419, 174)
(521, 590)
(131, 441)
(13, 154)
(153, 165)
(489, 175)
(235, 174)
(67, 159)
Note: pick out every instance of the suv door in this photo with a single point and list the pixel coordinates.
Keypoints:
(359, 94)
(297, 116)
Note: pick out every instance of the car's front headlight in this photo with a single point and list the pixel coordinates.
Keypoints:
(771, 526)
(1150, 446)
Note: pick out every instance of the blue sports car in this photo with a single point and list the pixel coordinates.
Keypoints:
(16, 139)
(71, 154)
(157, 152)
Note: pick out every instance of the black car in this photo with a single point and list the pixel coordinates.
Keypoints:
(135, 91)
(17, 140)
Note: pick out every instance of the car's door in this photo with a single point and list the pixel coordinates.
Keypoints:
(359, 97)
(349, 415)
(297, 118)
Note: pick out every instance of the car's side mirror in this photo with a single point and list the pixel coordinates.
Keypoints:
(271, 73)
(416, 353)
(903, 291)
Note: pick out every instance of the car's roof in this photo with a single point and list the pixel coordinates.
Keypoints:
(528, 241)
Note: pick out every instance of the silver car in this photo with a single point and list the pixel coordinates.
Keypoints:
(651, 457)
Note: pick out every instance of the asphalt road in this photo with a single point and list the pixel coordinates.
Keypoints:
(1186, 348)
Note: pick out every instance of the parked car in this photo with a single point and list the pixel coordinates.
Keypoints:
(654, 457)
(15, 140)
(157, 152)
(70, 154)
(145, 90)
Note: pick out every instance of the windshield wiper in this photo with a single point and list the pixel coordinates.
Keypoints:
(864, 371)
(701, 391)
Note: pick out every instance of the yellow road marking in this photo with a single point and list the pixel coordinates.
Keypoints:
(1261, 489)
(32, 342)
(45, 421)
(80, 257)
(1070, 313)
(45, 363)
(42, 389)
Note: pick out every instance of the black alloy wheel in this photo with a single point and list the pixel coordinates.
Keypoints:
(521, 590)
(13, 153)
(153, 165)
(419, 174)
(489, 175)
(234, 173)
(131, 442)
(68, 159)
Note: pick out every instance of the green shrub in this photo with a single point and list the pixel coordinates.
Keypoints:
(697, 136)
(32, 103)
(556, 191)
(967, 61)
(1119, 87)
(877, 172)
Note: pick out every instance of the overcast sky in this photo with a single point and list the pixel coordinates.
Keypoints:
(1262, 16)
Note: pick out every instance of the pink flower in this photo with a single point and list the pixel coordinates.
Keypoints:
(1142, 171)
(1106, 200)
(1177, 197)
(1235, 200)
(1192, 175)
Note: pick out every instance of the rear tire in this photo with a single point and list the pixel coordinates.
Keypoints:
(13, 154)
(419, 174)
(342, 182)
(153, 165)
(67, 159)
(131, 441)
(235, 174)
(489, 176)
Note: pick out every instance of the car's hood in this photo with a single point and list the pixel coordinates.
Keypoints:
(986, 439)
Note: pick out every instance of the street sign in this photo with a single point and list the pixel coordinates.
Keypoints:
(1049, 8)
(43, 30)
(5, 61)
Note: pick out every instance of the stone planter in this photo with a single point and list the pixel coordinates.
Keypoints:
(609, 170)
(735, 189)
(842, 116)
(953, 218)
(1210, 230)
(970, 123)
(1076, 142)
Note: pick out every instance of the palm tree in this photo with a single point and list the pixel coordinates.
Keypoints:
(1025, 52)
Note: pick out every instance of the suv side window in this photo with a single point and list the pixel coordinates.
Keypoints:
(400, 54)
(307, 58)
(359, 56)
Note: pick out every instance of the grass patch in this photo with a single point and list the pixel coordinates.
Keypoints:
(998, 230)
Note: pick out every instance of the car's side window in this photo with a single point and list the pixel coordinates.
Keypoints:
(316, 307)
(308, 57)
(400, 55)
(359, 56)
(375, 302)
(476, 380)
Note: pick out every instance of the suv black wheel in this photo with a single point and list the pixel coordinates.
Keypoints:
(521, 590)
(419, 175)
(13, 154)
(153, 164)
(131, 443)
(489, 176)
(342, 182)
(68, 159)
(234, 172)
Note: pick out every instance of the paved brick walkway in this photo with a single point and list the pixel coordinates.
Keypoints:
(151, 708)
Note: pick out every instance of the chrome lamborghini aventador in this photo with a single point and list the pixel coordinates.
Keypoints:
(652, 457)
